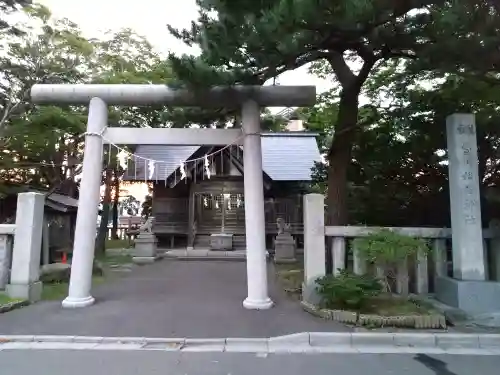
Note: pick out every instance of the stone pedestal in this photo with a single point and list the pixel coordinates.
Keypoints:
(221, 241)
(472, 296)
(284, 248)
(145, 250)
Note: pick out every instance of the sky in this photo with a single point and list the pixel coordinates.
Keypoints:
(149, 19)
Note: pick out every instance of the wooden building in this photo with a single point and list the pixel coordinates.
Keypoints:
(187, 211)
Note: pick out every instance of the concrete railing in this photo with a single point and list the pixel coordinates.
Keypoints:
(417, 275)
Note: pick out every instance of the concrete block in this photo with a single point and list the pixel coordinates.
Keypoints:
(61, 345)
(372, 339)
(334, 349)
(309, 293)
(244, 345)
(457, 340)
(473, 297)
(144, 260)
(204, 345)
(165, 344)
(115, 346)
(289, 343)
(415, 340)
(330, 339)
(221, 241)
(62, 339)
(487, 341)
(15, 345)
(31, 292)
(156, 340)
(123, 340)
(17, 338)
(88, 339)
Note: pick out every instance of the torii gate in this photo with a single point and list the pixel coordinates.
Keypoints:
(98, 97)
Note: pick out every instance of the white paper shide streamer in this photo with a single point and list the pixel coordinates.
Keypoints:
(151, 168)
(183, 170)
(122, 158)
(207, 167)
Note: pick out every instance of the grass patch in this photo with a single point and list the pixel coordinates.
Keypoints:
(5, 299)
(110, 259)
(396, 306)
(290, 277)
(59, 291)
(118, 244)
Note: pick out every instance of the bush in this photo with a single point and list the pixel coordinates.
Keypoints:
(388, 249)
(347, 290)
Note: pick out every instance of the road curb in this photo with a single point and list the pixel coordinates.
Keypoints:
(298, 342)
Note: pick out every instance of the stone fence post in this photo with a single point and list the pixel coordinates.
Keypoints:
(6, 233)
(314, 243)
(25, 270)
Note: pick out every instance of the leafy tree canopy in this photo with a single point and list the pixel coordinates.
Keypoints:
(252, 41)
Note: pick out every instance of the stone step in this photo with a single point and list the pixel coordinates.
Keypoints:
(203, 241)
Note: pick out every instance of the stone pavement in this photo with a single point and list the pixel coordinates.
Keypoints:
(196, 299)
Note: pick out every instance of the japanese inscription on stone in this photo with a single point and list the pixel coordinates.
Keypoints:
(465, 129)
(465, 206)
(470, 202)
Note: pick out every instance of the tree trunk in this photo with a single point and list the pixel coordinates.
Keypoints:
(339, 157)
(116, 198)
(100, 246)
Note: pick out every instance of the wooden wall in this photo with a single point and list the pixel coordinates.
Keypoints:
(170, 208)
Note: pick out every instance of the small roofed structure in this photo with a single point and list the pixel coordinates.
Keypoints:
(60, 220)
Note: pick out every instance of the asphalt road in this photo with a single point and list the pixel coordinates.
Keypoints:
(86, 362)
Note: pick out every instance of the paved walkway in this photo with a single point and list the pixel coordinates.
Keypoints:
(170, 299)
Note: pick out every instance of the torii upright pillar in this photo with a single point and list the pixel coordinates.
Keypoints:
(255, 222)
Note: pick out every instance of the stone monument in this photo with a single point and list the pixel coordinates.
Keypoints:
(284, 244)
(468, 289)
(146, 243)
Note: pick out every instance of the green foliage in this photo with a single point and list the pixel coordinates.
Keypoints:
(389, 248)
(347, 290)
(253, 41)
(7, 7)
(42, 146)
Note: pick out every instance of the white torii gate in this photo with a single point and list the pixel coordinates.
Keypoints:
(98, 97)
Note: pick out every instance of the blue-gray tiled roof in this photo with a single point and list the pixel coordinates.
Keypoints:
(285, 157)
